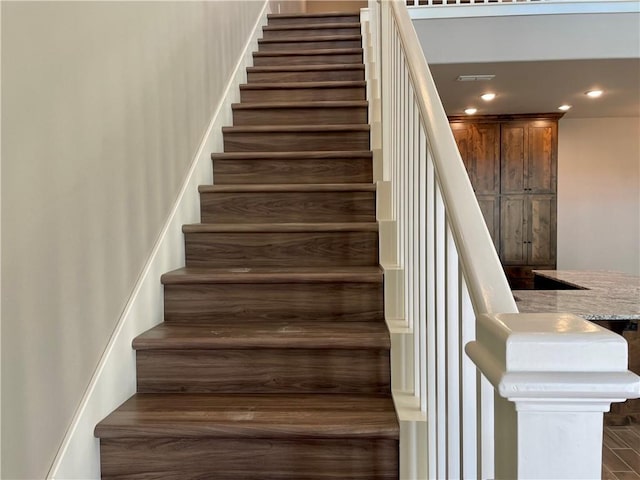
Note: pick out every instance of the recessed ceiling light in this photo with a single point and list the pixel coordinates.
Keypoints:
(593, 93)
(564, 108)
(470, 110)
(487, 97)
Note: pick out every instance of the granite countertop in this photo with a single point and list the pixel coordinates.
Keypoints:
(603, 295)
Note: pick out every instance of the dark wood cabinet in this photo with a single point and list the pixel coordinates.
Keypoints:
(528, 233)
(529, 157)
(480, 143)
(512, 166)
(490, 207)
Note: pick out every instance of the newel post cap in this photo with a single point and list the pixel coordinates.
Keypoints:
(550, 359)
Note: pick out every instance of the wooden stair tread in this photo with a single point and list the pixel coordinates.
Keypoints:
(310, 52)
(304, 104)
(303, 155)
(312, 15)
(292, 85)
(254, 416)
(289, 187)
(280, 227)
(305, 68)
(296, 128)
(318, 38)
(269, 335)
(283, 275)
(310, 26)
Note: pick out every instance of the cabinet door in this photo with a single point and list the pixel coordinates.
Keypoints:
(479, 145)
(529, 158)
(541, 163)
(463, 136)
(514, 152)
(513, 215)
(541, 235)
(490, 206)
(486, 158)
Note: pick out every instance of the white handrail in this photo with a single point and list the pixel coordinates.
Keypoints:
(488, 286)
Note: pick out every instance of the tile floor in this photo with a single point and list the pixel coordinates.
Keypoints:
(621, 453)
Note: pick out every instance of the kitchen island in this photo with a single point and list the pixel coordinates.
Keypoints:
(592, 295)
(609, 299)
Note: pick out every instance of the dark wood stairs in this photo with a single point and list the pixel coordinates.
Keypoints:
(273, 361)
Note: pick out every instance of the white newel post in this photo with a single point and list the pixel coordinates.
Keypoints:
(554, 376)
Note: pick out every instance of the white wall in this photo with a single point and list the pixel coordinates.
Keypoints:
(528, 37)
(103, 107)
(599, 194)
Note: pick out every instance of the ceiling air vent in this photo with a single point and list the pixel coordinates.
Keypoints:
(474, 78)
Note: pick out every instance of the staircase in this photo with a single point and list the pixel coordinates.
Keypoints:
(273, 359)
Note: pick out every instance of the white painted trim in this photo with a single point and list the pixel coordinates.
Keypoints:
(115, 378)
(522, 9)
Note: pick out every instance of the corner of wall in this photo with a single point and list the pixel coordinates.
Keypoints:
(115, 378)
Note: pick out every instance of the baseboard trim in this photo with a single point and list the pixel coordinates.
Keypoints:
(114, 379)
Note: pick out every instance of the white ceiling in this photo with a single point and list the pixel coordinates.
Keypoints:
(542, 86)
(540, 61)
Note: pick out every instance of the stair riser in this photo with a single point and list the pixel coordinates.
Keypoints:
(330, 59)
(264, 371)
(281, 249)
(306, 76)
(319, 20)
(302, 94)
(309, 32)
(287, 207)
(211, 303)
(353, 170)
(296, 141)
(248, 459)
(320, 45)
(300, 116)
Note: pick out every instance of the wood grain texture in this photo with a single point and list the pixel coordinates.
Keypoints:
(346, 138)
(282, 275)
(264, 370)
(282, 207)
(261, 334)
(292, 187)
(309, 113)
(308, 57)
(302, 92)
(306, 73)
(212, 303)
(289, 167)
(311, 18)
(248, 459)
(310, 43)
(287, 416)
(310, 30)
(251, 249)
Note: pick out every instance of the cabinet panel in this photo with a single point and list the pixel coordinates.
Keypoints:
(462, 135)
(486, 158)
(542, 229)
(513, 152)
(513, 249)
(490, 206)
(528, 230)
(479, 146)
(541, 164)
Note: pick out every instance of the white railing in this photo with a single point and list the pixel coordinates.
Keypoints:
(431, 3)
(445, 291)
